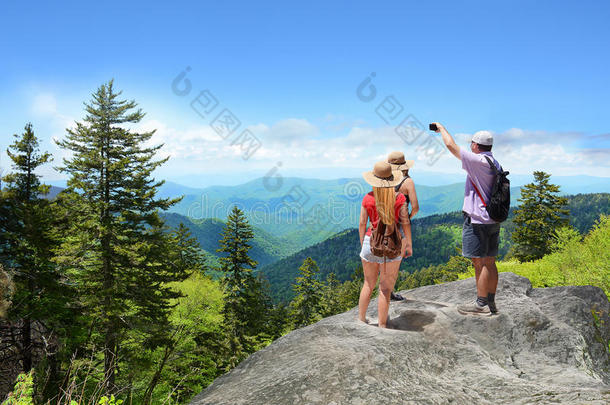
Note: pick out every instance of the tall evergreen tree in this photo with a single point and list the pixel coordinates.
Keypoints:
(244, 309)
(188, 258)
(331, 302)
(305, 308)
(25, 241)
(188, 253)
(116, 248)
(41, 313)
(278, 321)
(350, 289)
(540, 213)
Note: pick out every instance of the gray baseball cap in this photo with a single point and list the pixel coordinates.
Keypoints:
(483, 138)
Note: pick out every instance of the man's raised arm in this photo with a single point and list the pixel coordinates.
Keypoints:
(449, 142)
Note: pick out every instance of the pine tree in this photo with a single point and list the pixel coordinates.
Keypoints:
(188, 258)
(245, 307)
(116, 248)
(26, 244)
(331, 300)
(305, 308)
(263, 312)
(349, 291)
(278, 321)
(189, 255)
(540, 213)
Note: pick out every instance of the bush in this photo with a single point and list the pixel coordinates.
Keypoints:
(23, 392)
(573, 262)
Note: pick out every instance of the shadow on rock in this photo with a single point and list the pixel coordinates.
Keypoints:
(412, 320)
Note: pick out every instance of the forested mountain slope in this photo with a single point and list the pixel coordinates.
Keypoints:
(435, 239)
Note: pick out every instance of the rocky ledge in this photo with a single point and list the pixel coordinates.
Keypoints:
(546, 345)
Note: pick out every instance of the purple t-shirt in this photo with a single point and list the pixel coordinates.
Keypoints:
(481, 174)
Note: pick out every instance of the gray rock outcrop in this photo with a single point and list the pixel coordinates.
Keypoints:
(547, 345)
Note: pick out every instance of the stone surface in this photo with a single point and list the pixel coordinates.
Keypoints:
(544, 346)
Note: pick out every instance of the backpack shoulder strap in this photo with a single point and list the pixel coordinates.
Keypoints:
(479, 194)
(493, 166)
(397, 187)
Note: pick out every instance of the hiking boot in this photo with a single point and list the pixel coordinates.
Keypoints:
(492, 307)
(473, 309)
(396, 297)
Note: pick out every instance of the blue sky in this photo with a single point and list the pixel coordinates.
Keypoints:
(534, 73)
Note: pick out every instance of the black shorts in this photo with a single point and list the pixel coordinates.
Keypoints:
(480, 240)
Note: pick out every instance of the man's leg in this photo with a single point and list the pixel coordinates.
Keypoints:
(492, 282)
(490, 241)
(491, 274)
(486, 275)
(480, 305)
(471, 247)
(477, 262)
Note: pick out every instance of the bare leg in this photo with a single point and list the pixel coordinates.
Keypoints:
(386, 285)
(480, 277)
(486, 275)
(371, 270)
(489, 267)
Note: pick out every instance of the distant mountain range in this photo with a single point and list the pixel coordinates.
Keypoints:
(308, 211)
(287, 208)
(422, 177)
(304, 211)
(569, 184)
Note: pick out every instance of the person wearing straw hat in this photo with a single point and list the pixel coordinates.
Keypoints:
(407, 187)
(381, 204)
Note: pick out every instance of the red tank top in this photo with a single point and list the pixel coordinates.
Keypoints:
(368, 202)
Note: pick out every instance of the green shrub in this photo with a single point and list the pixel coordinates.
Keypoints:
(23, 392)
(574, 261)
(109, 401)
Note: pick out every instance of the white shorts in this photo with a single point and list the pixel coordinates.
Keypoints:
(368, 256)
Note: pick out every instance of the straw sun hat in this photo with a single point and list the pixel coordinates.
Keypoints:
(382, 175)
(398, 162)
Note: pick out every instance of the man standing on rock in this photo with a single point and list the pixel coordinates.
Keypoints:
(480, 233)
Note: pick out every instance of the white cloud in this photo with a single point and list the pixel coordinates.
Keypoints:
(301, 146)
(518, 136)
(44, 104)
(286, 131)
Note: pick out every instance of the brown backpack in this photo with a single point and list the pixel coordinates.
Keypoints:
(386, 240)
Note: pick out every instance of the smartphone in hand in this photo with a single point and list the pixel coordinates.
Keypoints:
(433, 127)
